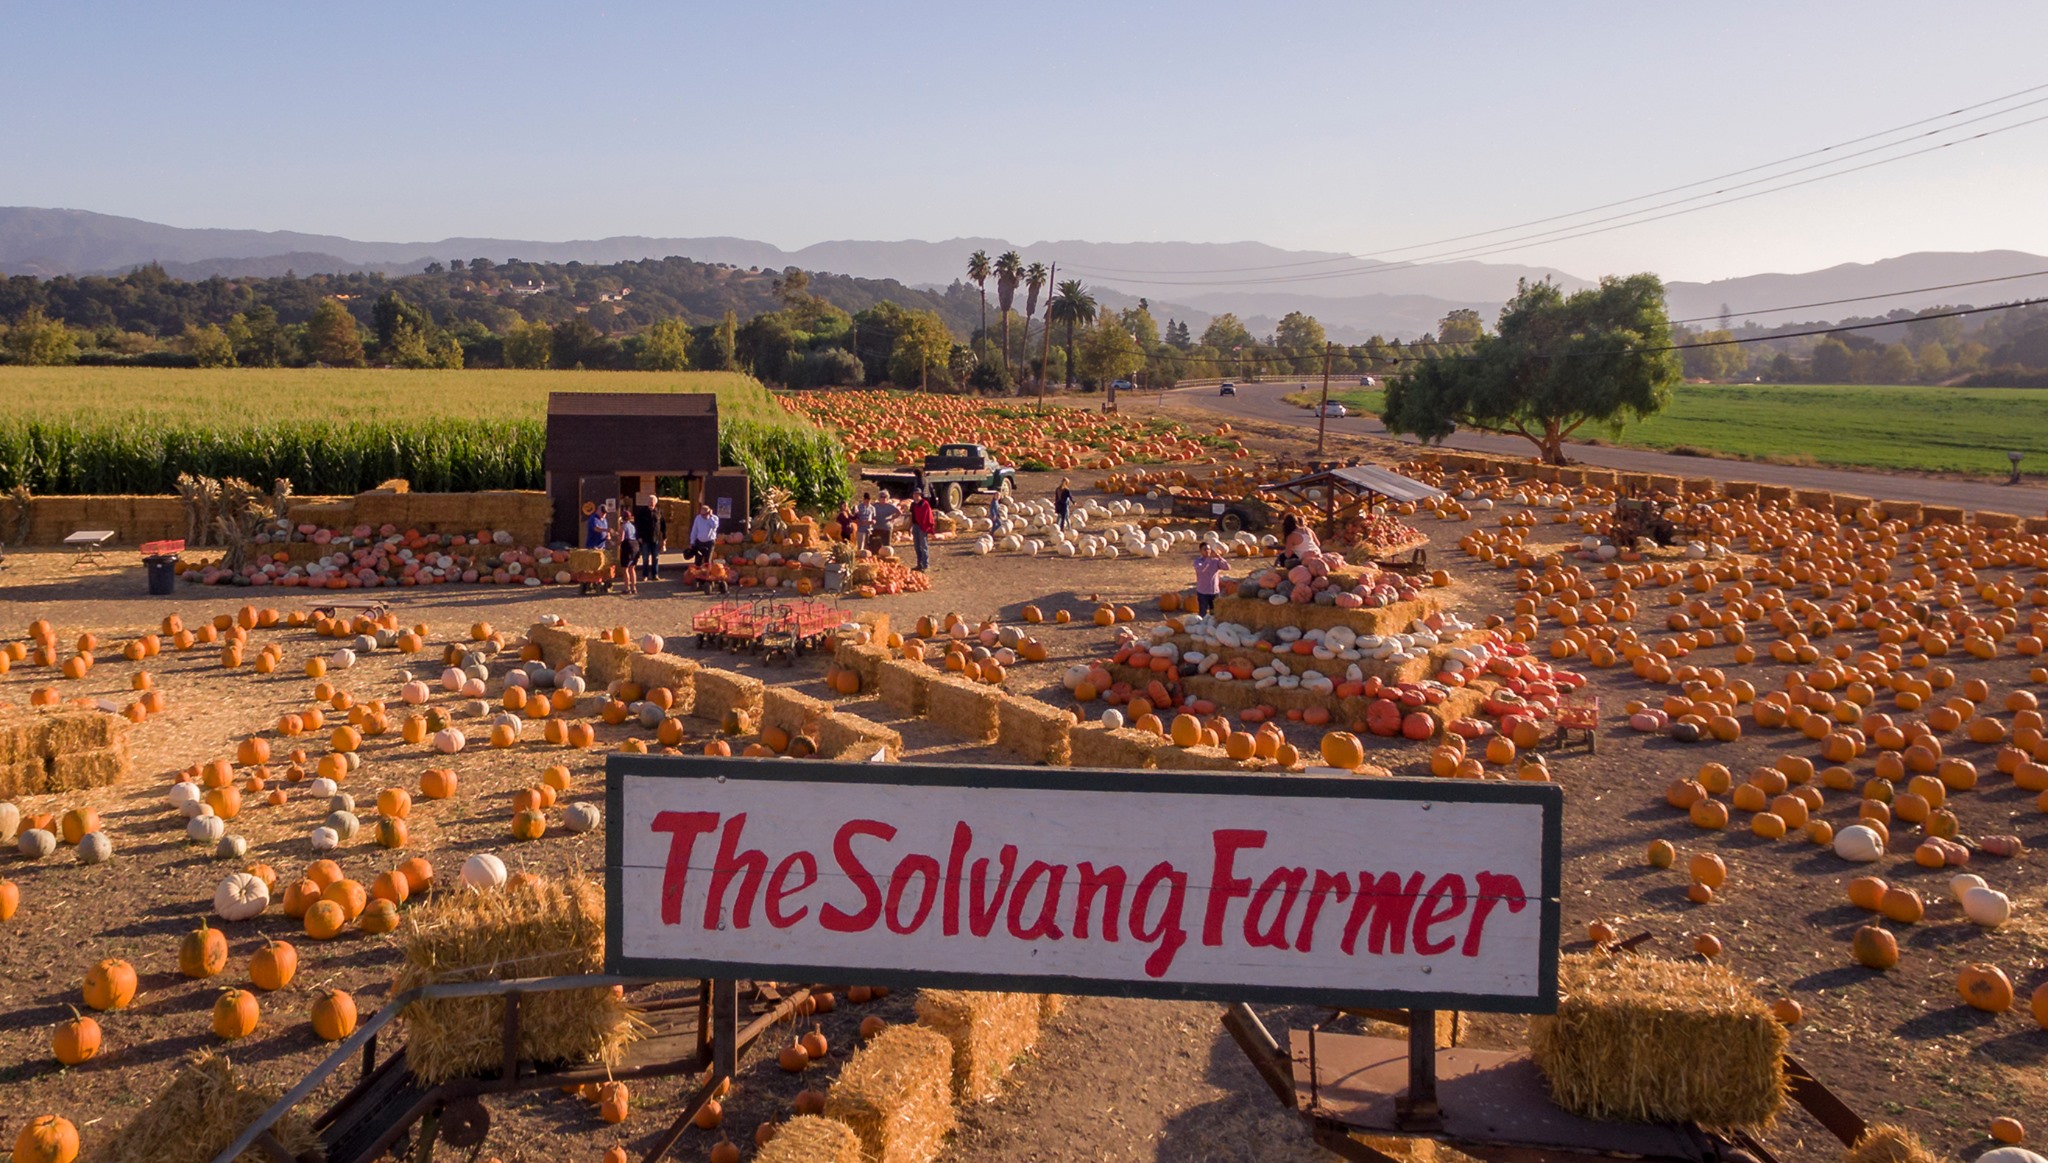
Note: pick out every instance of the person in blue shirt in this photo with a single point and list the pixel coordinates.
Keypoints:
(597, 532)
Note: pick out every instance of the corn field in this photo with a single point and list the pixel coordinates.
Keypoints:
(336, 431)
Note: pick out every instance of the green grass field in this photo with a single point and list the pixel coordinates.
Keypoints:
(1933, 429)
(331, 430)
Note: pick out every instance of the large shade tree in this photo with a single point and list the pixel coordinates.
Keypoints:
(1557, 363)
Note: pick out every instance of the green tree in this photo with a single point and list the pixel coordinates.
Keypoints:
(1034, 282)
(1721, 362)
(1225, 332)
(922, 344)
(1299, 334)
(1110, 353)
(1009, 272)
(1139, 322)
(1933, 361)
(209, 345)
(38, 340)
(1460, 326)
(664, 347)
(1071, 306)
(393, 312)
(1895, 365)
(331, 336)
(978, 271)
(529, 345)
(258, 338)
(1831, 362)
(1557, 363)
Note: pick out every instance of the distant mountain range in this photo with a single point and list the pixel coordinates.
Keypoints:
(1353, 298)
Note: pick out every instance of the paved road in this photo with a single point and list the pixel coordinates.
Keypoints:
(1263, 402)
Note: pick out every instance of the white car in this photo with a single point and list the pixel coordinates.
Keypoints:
(1334, 410)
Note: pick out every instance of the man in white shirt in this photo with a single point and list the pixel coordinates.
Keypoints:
(703, 532)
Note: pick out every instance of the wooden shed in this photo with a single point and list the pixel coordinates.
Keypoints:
(602, 446)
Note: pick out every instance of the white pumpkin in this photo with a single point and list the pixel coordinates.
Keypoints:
(184, 797)
(449, 740)
(581, 817)
(651, 644)
(341, 801)
(575, 685)
(1112, 718)
(341, 659)
(520, 679)
(206, 829)
(453, 678)
(483, 871)
(231, 848)
(473, 688)
(1963, 882)
(343, 824)
(2011, 1155)
(36, 843)
(94, 848)
(10, 820)
(325, 840)
(415, 692)
(1987, 907)
(241, 896)
(321, 787)
(1859, 844)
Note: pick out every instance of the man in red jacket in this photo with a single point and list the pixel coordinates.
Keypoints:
(921, 527)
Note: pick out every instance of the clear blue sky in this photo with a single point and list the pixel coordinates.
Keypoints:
(1349, 126)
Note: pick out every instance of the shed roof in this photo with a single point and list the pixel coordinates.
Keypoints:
(632, 404)
(1365, 478)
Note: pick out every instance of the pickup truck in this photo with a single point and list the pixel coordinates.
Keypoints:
(952, 474)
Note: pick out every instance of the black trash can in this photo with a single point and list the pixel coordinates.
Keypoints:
(162, 569)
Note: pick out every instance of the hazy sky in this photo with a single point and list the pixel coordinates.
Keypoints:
(1343, 126)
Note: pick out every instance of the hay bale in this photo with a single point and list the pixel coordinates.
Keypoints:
(378, 507)
(1847, 505)
(721, 691)
(1702, 487)
(1740, 490)
(988, 1031)
(1986, 519)
(2035, 525)
(1033, 731)
(1094, 745)
(157, 519)
(1200, 758)
(606, 662)
(1941, 514)
(896, 1094)
(1907, 511)
(676, 673)
(14, 745)
(841, 735)
(792, 710)
(1889, 1143)
(904, 685)
(199, 1113)
(865, 661)
(24, 777)
(963, 707)
(103, 767)
(553, 928)
(811, 1139)
(1052, 1005)
(560, 644)
(1819, 500)
(1646, 1039)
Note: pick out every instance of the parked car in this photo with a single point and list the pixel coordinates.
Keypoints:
(1367, 382)
(1227, 389)
(1334, 410)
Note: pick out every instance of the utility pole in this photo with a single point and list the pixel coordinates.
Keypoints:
(1323, 411)
(1052, 281)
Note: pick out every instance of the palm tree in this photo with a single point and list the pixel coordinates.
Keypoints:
(1009, 270)
(1073, 306)
(978, 270)
(1034, 282)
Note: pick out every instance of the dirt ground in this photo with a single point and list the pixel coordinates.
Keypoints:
(1110, 1080)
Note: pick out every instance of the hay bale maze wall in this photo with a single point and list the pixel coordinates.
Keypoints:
(1646, 1039)
(904, 685)
(865, 661)
(844, 736)
(61, 749)
(1033, 731)
(553, 928)
(793, 711)
(963, 707)
(675, 674)
(988, 1032)
(560, 645)
(606, 662)
(811, 1139)
(1096, 745)
(896, 1094)
(720, 692)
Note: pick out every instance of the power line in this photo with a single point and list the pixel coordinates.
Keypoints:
(1602, 206)
(1861, 298)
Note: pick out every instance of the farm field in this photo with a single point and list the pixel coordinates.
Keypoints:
(1121, 1080)
(336, 430)
(1924, 429)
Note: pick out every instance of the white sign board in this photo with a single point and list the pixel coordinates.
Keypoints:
(1423, 893)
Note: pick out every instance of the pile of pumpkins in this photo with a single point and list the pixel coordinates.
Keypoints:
(892, 427)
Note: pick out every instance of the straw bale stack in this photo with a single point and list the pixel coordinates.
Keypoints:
(792, 710)
(1986, 519)
(99, 767)
(202, 1110)
(325, 512)
(1033, 731)
(1646, 1039)
(1393, 618)
(560, 644)
(606, 662)
(1201, 758)
(865, 661)
(963, 707)
(1774, 494)
(722, 691)
(677, 674)
(2034, 525)
(844, 736)
(1889, 1143)
(989, 1031)
(553, 928)
(589, 560)
(896, 1094)
(1603, 478)
(1846, 506)
(811, 1139)
(378, 507)
(1818, 500)
(61, 749)
(904, 685)
(1702, 487)
(1094, 745)
(1907, 511)
(52, 519)
(1941, 514)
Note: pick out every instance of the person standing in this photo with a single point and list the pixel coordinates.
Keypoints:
(629, 553)
(653, 536)
(1209, 569)
(703, 533)
(597, 532)
(995, 511)
(1063, 503)
(863, 521)
(922, 526)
